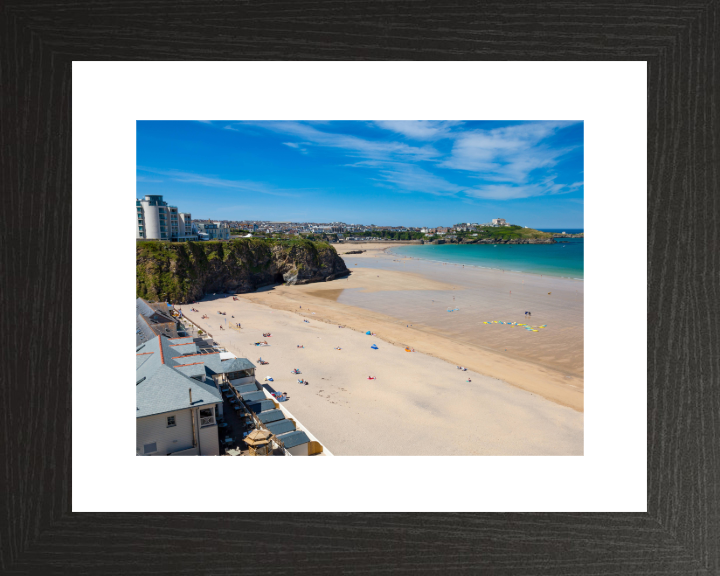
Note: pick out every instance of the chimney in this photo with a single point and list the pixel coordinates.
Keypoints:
(190, 392)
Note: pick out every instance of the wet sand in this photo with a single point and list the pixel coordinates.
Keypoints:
(387, 298)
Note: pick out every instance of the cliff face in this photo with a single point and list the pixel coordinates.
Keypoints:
(182, 272)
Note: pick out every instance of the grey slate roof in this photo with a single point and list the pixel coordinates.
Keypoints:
(167, 390)
(164, 376)
(160, 387)
(180, 349)
(245, 388)
(143, 332)
(292, 439)
(141, 358)
(281, 426)
(261, 406)
(216, 365)
(253, 396)
(156, 319)
(142, 308)
(270, 416)
(194, 369)
(235, 365)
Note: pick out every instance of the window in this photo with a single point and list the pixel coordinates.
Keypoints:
(150, 448)
(207, 417)
(171, 421)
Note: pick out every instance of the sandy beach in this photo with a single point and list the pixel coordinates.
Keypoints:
(384, 296)
(526, 401)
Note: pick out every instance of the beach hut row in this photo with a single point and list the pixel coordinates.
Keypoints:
(283, 430)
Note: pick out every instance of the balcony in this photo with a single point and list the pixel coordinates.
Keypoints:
(206, 421)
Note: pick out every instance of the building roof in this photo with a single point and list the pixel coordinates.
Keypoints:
(235, 365)
(253, 396)
(245, 388)
(271, 416)
(153, 320)
(281, 426)
(167, 390)
(261, 405)
(216, 365)
(164, 384)
(292, 439)
(194, 369)
(143, 332)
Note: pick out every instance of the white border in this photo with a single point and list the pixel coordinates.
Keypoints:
(108, 98)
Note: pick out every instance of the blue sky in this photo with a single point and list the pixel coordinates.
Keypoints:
(412, 173)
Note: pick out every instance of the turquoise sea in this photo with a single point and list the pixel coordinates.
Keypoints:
(560, 259)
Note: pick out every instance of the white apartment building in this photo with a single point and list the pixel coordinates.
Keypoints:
(213, 231)
(156, 220)
(499, 222)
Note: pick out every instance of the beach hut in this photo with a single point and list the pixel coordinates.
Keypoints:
(259, 442)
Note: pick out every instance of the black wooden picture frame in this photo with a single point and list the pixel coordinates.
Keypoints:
(680, 533)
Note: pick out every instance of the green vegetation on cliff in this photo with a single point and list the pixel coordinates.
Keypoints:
(511, 233)
(184, 271)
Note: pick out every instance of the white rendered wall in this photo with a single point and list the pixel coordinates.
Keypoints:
(299, 450)
(209, 444)
(173, 439)
(152, 221)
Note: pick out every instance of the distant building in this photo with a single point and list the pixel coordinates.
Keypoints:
(499, 222)
(157, 221)
(213, 231)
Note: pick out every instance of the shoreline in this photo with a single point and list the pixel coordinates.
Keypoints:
(387, 251)
(554, 385)
(563, 385)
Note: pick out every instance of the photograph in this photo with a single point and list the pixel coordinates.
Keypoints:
(360, 288)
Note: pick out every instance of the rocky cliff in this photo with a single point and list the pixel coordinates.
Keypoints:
(182, 272)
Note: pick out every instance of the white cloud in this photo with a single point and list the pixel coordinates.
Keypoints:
(412, 178)
(418, 129)
(292, 144)
(213, 182)
(508, 153)
(512, 192)
(354, 145)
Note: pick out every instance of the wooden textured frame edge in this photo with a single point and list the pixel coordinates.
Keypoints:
(680, 532)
